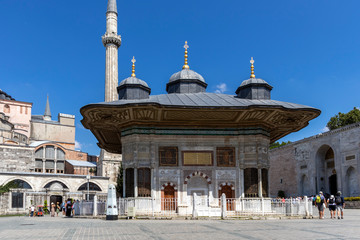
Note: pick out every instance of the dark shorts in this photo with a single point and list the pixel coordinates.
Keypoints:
(332, 207)
(320, 206)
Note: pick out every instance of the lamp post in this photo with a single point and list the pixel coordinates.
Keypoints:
(88, 186)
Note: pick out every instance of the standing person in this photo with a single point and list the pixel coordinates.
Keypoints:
(340, 204)
(63, 208)
(57, 209)
(52, 209)
(32, 210)
(68, 208)
(320, 200)
(332, 206)
(324, 204)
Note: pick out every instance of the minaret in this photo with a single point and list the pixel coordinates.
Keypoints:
(112, 42)
(47, 114)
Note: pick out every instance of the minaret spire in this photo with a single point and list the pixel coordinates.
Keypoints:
(47, 114)
(133, 60)
(252, 68)
(111, 7)
(186, 66)
(112, 42)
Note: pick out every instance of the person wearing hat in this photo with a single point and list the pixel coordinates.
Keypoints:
(52, 209)
(332, 206)
(340, 205)
(320, 203)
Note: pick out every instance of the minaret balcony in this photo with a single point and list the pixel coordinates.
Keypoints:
(110, 38)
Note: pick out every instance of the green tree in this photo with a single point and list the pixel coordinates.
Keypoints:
(277, 144)
(6, 188)
(343, 119)
(119, 182)
(46, 210)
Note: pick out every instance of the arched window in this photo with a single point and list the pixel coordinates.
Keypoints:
(49, 159)
(18, 183)
(60, 154)
(6, 108)
(50, 184)
(92, 187)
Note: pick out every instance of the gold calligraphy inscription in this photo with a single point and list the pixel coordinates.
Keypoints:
(197, 158)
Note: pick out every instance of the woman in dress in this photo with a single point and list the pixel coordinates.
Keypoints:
(57, 209)
(52, 209)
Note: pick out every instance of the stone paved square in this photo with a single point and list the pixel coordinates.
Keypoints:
(80, 228)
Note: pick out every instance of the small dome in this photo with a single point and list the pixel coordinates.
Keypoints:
(253, 81)
(254, 88)
(186, 74)
(133, 88)
(133, 81)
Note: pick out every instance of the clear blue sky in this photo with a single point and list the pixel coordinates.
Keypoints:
(307, 50)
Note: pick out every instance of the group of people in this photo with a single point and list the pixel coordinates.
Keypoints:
(67, 209)
(336, 205)
(54, 209)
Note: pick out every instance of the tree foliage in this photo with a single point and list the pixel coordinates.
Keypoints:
(119, 182)
(6, 188)
(277, 144)
(343, 119)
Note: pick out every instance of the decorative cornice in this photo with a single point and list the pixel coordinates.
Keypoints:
(110, 123)
(110, 38)
(198, 132)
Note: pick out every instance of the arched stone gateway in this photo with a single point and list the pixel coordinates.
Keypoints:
(326, 178)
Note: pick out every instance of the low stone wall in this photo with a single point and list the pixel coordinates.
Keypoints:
(352, 204)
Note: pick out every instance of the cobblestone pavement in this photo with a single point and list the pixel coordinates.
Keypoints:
(79, 228)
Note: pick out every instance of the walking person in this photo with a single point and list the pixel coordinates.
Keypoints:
(320, 200)
(58, 208)
(52, 209)
(332, 206)
(340, 205)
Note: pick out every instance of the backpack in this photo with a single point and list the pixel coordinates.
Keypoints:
(331, 200)
(318, 199)
(338, 200)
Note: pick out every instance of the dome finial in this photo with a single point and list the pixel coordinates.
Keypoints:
(133, 66)
(186, 46)
(252, 68)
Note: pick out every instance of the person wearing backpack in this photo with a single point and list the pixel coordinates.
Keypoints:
(320, 203)
(340, 205)
(332, 206)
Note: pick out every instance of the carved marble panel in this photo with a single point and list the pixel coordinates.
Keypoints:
(169, 175)
(225, 174)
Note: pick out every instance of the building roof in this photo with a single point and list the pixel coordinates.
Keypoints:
(133, 81)
(4, 95)
(77, 163)
(203, 99)
(186, 74)
(38, 143)
(253, 81)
